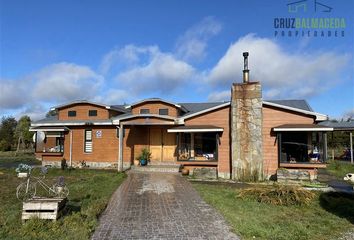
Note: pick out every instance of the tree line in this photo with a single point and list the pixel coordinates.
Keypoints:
(15, 134)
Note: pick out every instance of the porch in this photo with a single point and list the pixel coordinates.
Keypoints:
(302, 148)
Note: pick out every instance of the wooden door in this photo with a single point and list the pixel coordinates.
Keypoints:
(156, 144)
(169, 146)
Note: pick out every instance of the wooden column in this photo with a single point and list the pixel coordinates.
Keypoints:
(71, 148)
(192, 145)
(325, 151)
(120, 154)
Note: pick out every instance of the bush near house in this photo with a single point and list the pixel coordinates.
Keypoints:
(252, 219)
(90, 191)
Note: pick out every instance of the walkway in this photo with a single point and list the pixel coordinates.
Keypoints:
(160, 206)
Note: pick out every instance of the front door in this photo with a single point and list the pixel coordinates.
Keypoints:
(162, 145)
(168, 146)
(156, 144)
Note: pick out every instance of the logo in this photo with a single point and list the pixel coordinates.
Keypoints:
(302, 6)
(322, 24)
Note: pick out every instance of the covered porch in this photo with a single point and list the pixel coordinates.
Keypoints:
(302, 146)
(197, 144)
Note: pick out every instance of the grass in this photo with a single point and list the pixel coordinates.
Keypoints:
(340, 168)
(90, 191)
(254, 220)
(11, 159)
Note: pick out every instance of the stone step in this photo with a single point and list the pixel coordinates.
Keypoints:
(157, 168)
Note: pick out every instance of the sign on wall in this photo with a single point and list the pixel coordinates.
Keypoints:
(98, 133)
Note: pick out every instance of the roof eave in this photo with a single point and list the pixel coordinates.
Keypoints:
(319, 116)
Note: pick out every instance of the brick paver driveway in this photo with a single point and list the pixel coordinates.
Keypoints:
(160, 206)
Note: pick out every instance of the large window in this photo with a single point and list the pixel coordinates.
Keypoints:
(198, 146)
(301, 147)
(88, 141)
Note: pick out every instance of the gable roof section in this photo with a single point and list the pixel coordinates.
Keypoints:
(153, 100)
(200, 108)
(114, 107)
(318, 116)
(300, 104)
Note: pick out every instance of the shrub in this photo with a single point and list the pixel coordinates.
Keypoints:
(279, 195)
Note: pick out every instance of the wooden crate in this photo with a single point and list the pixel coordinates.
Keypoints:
(43, 208)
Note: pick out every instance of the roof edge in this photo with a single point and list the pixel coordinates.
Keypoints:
(153, 100)
(319, 116)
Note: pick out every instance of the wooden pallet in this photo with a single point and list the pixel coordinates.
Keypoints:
(43, 208)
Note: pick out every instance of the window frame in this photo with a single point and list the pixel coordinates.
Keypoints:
(91, 111)
(88, 140)
(72, 113)
(144, 111)
(161, 109)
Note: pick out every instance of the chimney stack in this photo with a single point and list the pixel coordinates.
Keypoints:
(246, 71)
(246, 128)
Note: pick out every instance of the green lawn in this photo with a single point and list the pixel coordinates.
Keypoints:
(339, 168)
(253, 220)
(90, 191)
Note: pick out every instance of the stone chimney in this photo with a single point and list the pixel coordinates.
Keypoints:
(246, 128)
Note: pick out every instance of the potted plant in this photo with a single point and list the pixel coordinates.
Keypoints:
(144, 157)
(23, 170)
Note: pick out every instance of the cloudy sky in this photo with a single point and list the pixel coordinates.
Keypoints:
(116, 52)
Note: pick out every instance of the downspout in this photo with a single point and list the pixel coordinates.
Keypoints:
(71, 148)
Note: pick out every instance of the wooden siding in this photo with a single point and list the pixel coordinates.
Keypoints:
(82, 112)
(219, 118)
(105, 149)
(154, 108)
(273, 117)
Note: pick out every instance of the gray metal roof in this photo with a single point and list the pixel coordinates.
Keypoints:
(300, 104)
(197, 107)
(188, 108)
(120, 108)
(347, 125)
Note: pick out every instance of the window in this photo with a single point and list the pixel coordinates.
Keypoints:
(88, 141)
(198, 146)
(144, 111)
(92, 113)
(71, 113)
(301, 147)
(163, 111)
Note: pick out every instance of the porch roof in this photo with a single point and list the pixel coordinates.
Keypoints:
(49, 129)
(301, 128)
(196, 128)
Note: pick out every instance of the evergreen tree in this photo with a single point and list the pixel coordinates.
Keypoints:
(7, 130)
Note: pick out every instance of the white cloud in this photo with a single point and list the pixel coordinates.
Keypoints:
(35, 111)
(154, 71)
(114, 96)
(220, 96)
(65, 82)
(193, 43)
(13, 93)
(282, 74)
(127, 55)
